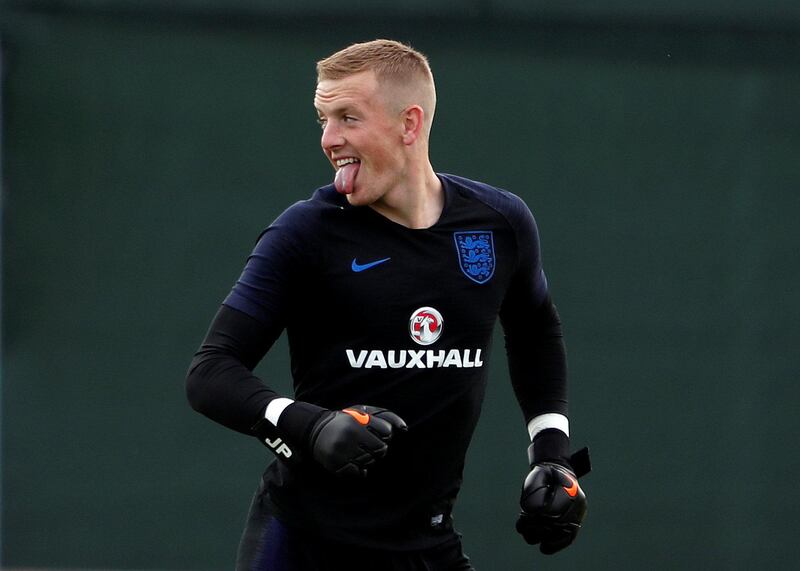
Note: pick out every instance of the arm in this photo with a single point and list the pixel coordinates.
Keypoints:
(534, 339)
(553, 504)
(220, 383)
(538, 367)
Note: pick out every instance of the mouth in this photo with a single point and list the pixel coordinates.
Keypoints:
(345, 161)
(346, 172)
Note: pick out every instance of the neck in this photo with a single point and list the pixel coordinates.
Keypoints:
(418, 204)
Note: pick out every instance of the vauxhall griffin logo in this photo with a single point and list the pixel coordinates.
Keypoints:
(426, 325)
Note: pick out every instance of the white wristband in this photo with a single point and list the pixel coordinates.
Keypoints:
(548, 420)
(274, 409)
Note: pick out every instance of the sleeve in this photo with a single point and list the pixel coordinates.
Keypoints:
(275, 268)
(220, 383)
(532, 327)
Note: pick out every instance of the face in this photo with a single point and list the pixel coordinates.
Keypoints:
(357, 126)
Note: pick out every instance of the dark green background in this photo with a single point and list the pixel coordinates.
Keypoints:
(658, 144)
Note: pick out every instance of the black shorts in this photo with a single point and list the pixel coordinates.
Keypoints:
(269, 545)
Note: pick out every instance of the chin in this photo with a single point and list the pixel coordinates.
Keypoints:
(358, 199)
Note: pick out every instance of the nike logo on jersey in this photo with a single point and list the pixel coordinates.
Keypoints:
(356, 267)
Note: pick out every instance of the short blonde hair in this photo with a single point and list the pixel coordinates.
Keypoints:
(390, 60)
(401, 67)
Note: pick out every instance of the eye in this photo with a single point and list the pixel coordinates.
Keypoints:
(322, 122)
(349, 119)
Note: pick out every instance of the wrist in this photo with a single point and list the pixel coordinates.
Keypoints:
(550, 445)
(284, 427)
(275, 408)
(548, 420)
(296, 421)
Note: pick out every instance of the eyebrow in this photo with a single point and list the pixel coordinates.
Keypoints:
(338, 109)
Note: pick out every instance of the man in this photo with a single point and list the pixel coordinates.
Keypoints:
(388, 283)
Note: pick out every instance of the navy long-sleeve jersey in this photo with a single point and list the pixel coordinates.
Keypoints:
(383, 315)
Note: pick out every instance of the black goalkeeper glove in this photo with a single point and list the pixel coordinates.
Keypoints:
(346, 442)
(553, 503)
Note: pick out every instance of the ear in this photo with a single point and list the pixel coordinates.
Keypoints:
(412, 123)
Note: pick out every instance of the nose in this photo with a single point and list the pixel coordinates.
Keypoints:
(331, 137)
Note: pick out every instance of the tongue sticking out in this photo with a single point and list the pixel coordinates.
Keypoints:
(345, 178)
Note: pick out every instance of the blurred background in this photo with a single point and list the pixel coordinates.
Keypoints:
(145, 144)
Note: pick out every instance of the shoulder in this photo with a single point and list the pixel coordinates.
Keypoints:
(507, 204)
(304, 212)
(305, 217)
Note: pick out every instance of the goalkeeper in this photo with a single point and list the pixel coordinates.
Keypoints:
(388, 283)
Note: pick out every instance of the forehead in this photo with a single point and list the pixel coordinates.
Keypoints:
(360, 89)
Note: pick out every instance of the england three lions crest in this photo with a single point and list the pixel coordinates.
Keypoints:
(476, 254)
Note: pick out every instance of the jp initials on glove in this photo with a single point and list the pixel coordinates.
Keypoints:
(553, 503)
(345, 442)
